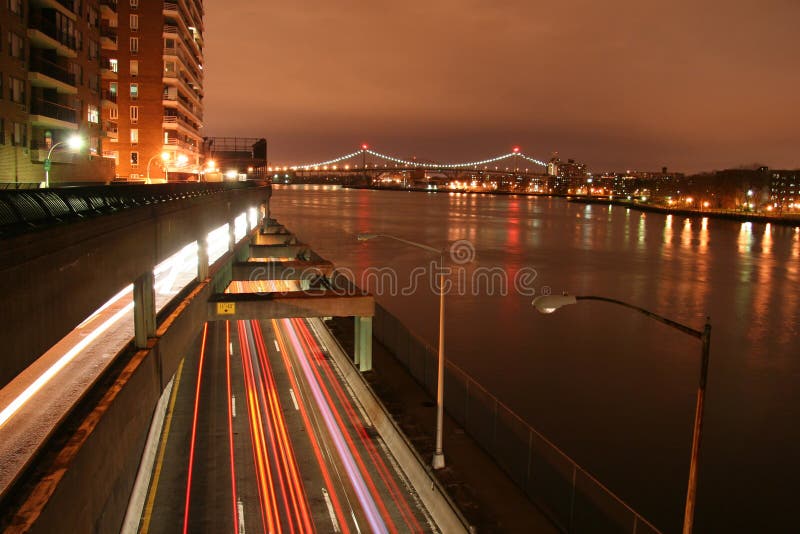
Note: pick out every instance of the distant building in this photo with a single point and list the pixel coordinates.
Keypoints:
(235, 158)
(152, 78)
(50, 90)
(571, 177)
(784, 189)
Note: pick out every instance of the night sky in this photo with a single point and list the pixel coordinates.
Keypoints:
(621, 84)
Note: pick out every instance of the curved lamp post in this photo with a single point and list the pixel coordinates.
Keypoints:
(438, 454)
(165, 157)
(550, 303)
(75, 142)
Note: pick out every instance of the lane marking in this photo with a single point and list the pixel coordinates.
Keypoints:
(294, 400)
(276, 345)
(233, 405)
(240, 505)
(231, 347)
(148, 509)
(330, 509)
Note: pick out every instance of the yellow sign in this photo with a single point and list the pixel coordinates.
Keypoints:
(226, 308)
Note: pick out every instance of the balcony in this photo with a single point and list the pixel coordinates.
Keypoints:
(108, 38)
(108, 96)
(108, 69)
(108, 9)
(53, 115)
(110, 130)
(51, 75)
(43, 33)
(171, 8)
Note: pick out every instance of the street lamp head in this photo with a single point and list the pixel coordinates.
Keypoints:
(550, 303)
(366, 237)
(165, 156)
(75, 142)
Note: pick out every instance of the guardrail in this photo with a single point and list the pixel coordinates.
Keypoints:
(24, 209)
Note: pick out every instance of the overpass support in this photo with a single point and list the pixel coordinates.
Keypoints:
(144, 309)
(363, 343)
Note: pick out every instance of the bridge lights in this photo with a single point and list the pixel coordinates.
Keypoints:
(516, 150)
(365, 146)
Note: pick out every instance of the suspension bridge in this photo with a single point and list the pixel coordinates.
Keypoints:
(368, 160)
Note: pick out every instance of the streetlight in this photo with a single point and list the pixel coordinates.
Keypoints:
(550, 303)
(74, 142)
(165, 157)
(438, 454)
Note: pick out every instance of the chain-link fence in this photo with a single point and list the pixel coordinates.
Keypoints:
(574, 499)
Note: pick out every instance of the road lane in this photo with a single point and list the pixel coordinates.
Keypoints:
(265, 437)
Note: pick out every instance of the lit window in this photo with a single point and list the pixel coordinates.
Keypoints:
(134, 45)
(93, 114)
(113, 113)
(134, 91)
(134, 116)
(134, 67)
(134, 22)
(134, 136)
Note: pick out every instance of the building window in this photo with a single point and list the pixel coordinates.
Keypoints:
(17, 90)
(113, 113)
(134, 21)
(93, 114)
(20, 131)
(94, 48)
(92, 17)
(16, 7)
(134, 4)
(134, 136)
(134, 116)
(134, 67)
(134, 91)
(16, 46)
(134, 159)
(77, 70)
(93, 144)
(114, 64)
(134, 45)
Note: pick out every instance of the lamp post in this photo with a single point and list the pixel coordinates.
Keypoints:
(550, 303)
(165, 157)
(438, 454)
(74, 142)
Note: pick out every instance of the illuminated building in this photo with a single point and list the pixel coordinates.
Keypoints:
(152, 78)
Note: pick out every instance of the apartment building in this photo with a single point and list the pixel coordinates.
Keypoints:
(50, 91)
(152, 87)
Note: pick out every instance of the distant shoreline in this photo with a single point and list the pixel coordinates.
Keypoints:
(787, 220)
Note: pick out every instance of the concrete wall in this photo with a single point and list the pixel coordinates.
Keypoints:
(87, 486)
(51, 280)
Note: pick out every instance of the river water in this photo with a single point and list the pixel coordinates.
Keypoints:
(612, 388)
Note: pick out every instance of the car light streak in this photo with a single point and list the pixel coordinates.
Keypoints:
(231, 414)
(359, 485)
(326, 475)
(54, 369)
(299, 506)
(194, 430)
(271, 436)
(356, 423)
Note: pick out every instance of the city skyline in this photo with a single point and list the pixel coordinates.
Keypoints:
(624, 86)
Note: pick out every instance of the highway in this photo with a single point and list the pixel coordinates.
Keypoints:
(262, 435)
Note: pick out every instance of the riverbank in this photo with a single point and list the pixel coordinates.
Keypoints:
(787, 220)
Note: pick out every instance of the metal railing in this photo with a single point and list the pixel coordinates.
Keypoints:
(48, 27)
(53, 70)
(573, 499)
(53, 110)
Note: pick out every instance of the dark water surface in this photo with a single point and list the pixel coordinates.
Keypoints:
(612, 388)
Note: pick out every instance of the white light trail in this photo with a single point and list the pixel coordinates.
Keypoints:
(54, 369)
